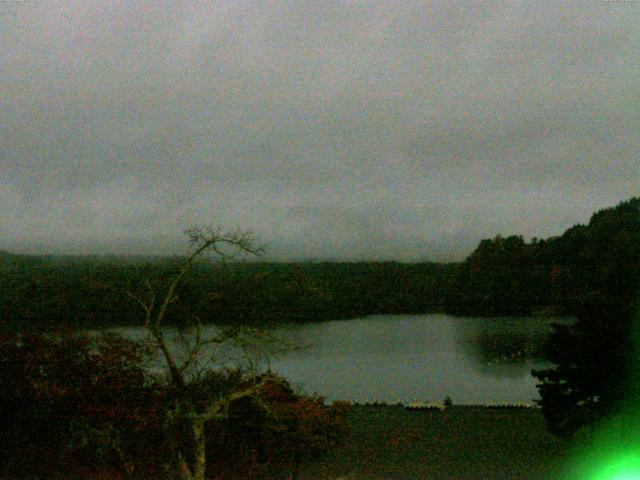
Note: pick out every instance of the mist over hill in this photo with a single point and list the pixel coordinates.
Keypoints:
(502, 276)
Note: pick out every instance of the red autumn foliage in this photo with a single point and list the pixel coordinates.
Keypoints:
(70, 400)
(81, 407)
(273, 437)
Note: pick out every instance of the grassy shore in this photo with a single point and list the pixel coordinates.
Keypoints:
(459, 443)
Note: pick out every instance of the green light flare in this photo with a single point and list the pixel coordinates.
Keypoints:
(613, 450)
(623, 467)
(607, 457)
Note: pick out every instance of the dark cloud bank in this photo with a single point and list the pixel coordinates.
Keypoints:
(338, 129)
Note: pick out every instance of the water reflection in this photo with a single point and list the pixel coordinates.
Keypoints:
(505, 347)
(410, 357)
(473, 360)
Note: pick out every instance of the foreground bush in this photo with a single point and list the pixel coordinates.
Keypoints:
(273, 437)
(78, 407)
(69, 400)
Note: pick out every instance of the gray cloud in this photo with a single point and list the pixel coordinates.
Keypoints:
(342, 129)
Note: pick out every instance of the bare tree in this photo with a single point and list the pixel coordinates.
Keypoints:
(224, 244)
(258, 345)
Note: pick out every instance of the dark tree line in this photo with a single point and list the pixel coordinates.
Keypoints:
(503, 276)
(587, 265)
(596, 372)
(78, 292)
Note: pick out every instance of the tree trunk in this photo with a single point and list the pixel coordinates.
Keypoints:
(193, 463)
(183, 470)
(199, 440)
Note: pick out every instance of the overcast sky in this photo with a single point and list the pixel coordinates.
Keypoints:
(333, 129)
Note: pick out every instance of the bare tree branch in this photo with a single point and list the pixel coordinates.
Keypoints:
(226, 245)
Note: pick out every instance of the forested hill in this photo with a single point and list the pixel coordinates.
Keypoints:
(93, 291)
(586, 265)
(503, 276)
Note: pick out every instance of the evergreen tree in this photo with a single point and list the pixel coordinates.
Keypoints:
(596, 356)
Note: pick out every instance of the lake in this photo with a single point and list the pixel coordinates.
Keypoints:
(409, 357)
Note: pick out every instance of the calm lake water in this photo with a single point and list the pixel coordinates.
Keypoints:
(409, 357)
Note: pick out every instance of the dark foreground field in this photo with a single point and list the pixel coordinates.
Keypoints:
(458, 443)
